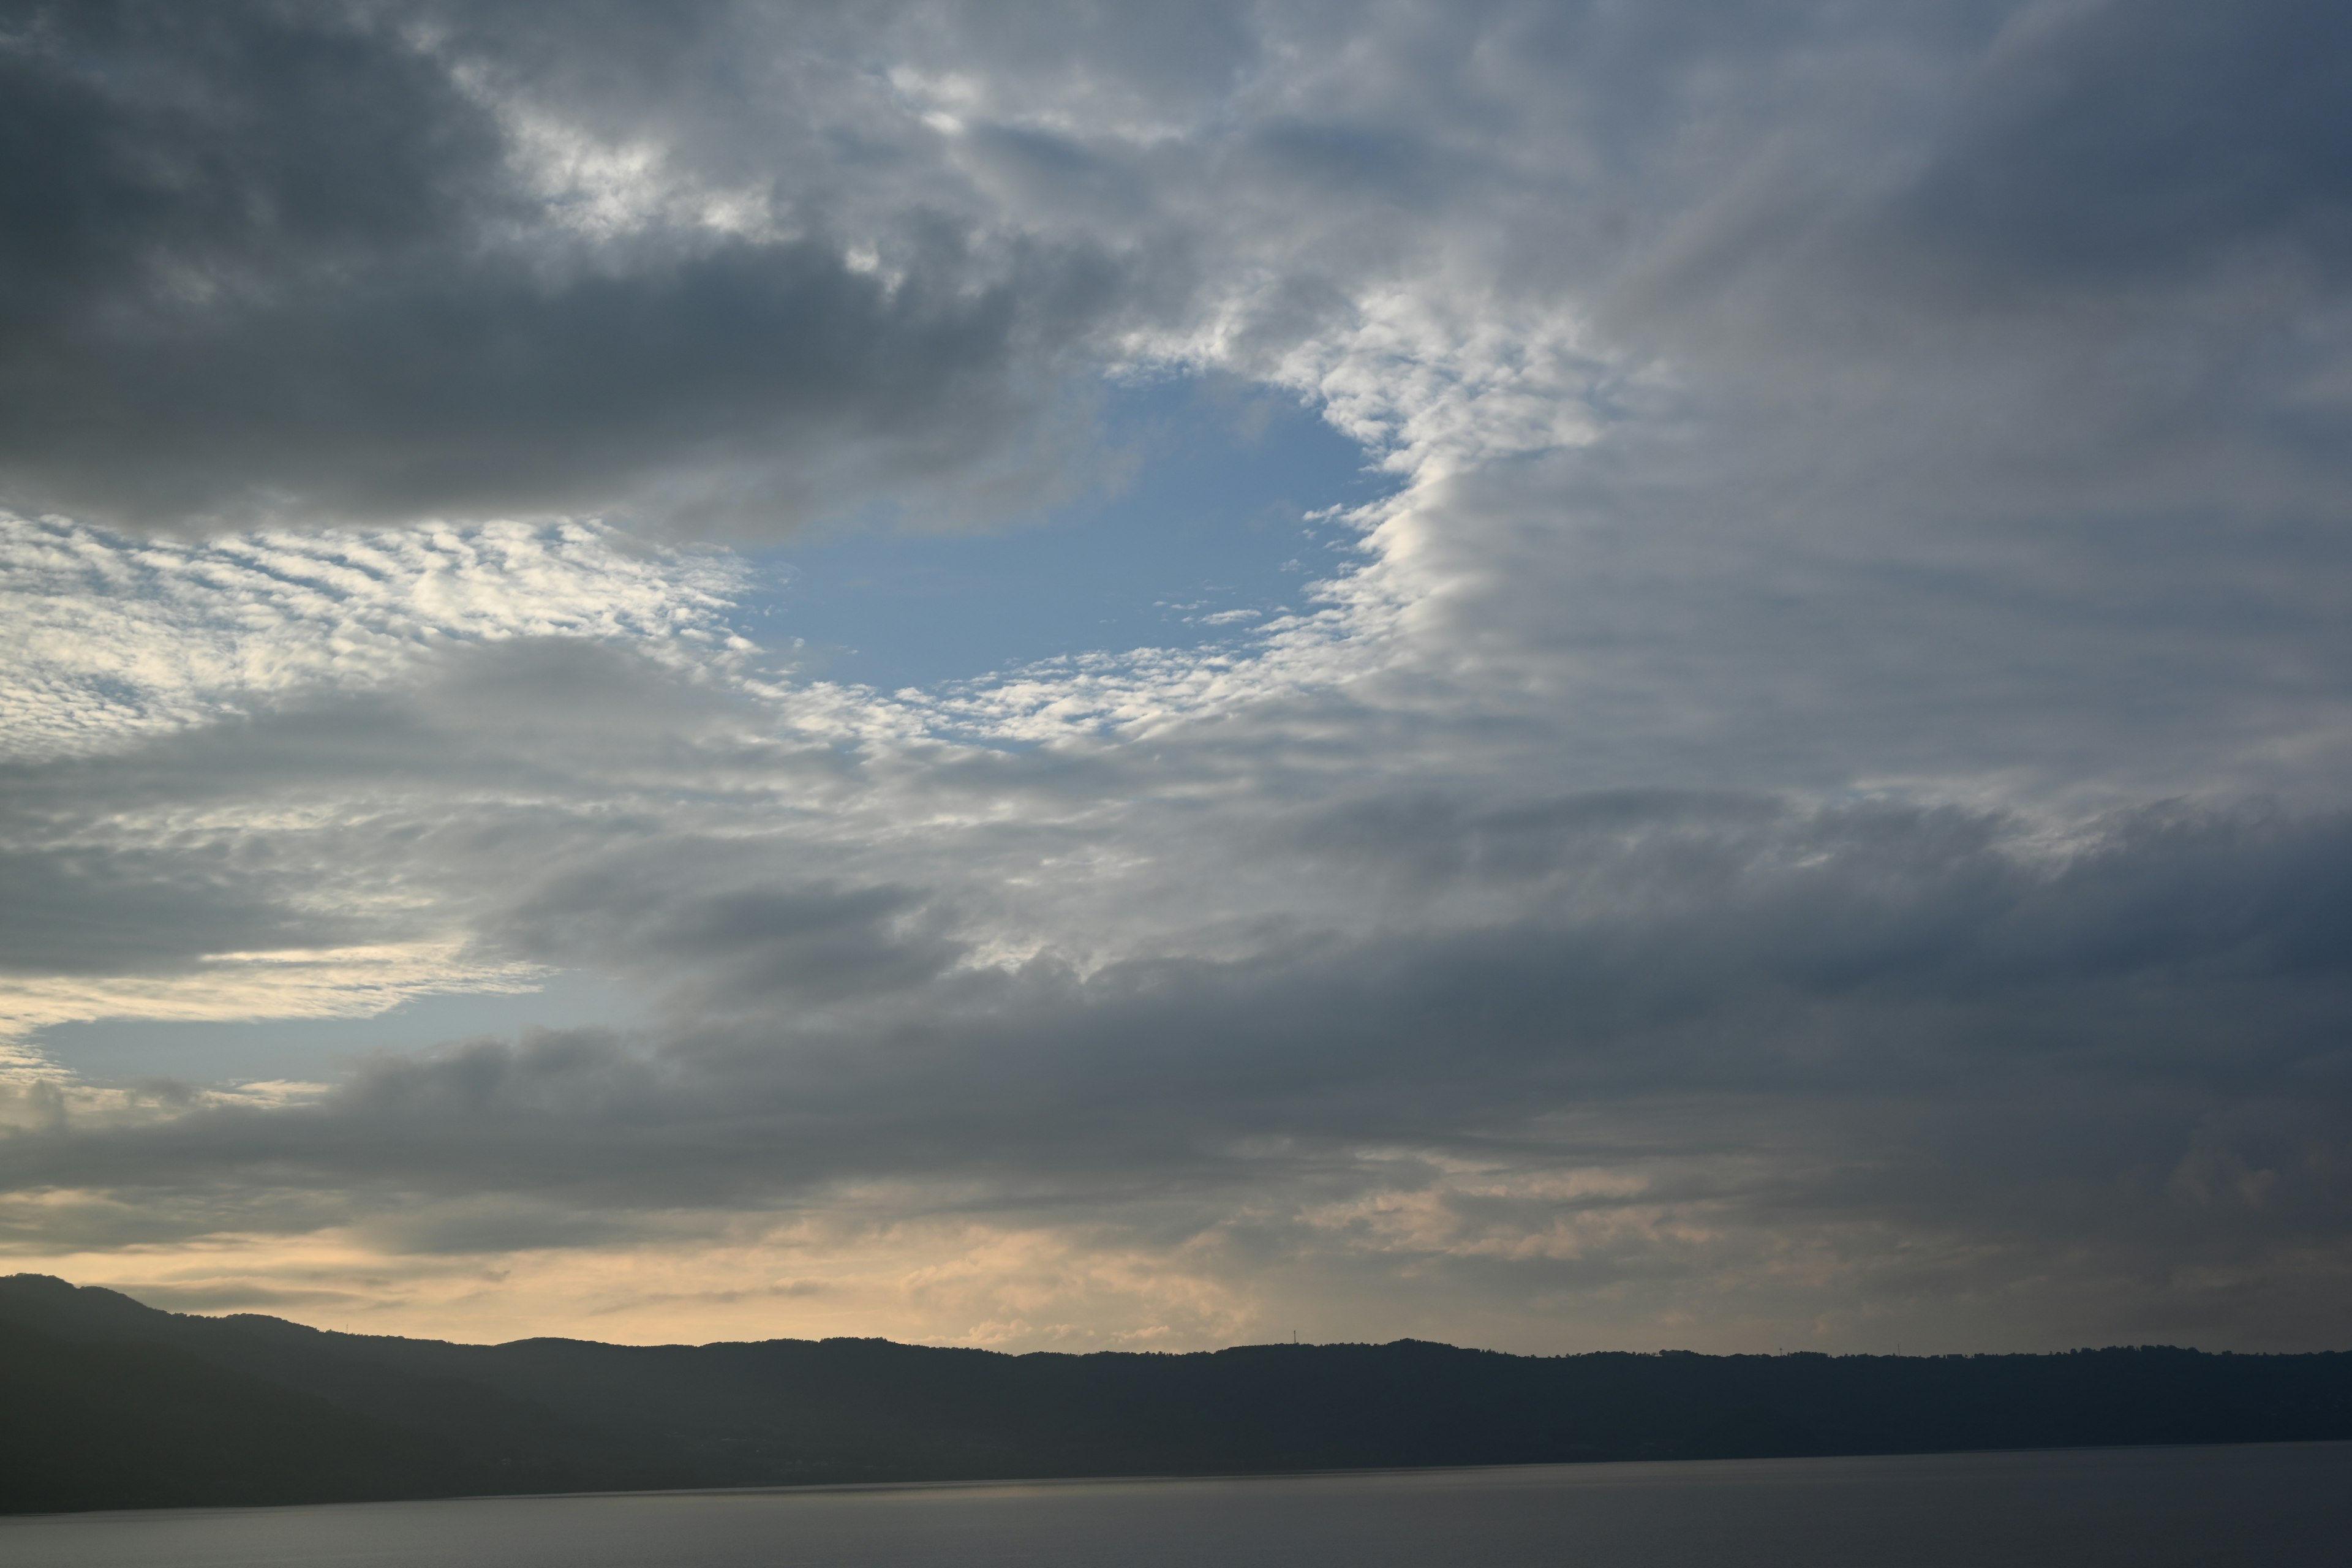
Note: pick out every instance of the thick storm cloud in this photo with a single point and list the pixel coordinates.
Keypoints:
(294, 262)
(1808, 810)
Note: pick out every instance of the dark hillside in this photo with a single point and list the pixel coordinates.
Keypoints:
(147, 1425)
(563, 1414)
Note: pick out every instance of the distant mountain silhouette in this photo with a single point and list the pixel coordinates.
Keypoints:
(106, 1404)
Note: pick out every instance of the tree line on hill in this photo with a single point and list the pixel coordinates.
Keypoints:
(105, 1403)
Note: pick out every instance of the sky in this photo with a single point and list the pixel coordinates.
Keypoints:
(1555, 677)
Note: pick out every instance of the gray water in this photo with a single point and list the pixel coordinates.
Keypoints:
(2275, 1504)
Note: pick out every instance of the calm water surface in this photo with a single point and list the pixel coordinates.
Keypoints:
(2282, 1504)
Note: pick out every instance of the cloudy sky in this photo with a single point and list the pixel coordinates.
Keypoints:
(1554, 676)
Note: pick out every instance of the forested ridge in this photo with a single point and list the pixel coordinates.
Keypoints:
(105, 1403)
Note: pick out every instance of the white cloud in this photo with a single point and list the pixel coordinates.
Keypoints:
(105, 637)
(329, 983)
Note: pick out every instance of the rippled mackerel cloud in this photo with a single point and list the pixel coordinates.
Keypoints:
(1794, 796)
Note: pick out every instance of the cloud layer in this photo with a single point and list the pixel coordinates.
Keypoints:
(1812, 816)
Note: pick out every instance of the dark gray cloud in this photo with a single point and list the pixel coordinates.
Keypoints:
(1864, 1018)
(389, 259)
(675, 917)
(103, 910)
(281, 262)
(2120, 144)
(2087, 274)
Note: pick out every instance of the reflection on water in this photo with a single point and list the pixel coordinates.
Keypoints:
(2281, 1505)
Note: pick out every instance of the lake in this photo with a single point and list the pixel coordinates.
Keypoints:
(2279, 1505)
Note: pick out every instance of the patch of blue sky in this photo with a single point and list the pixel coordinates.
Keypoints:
(1219, 515)
(127, 1050)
